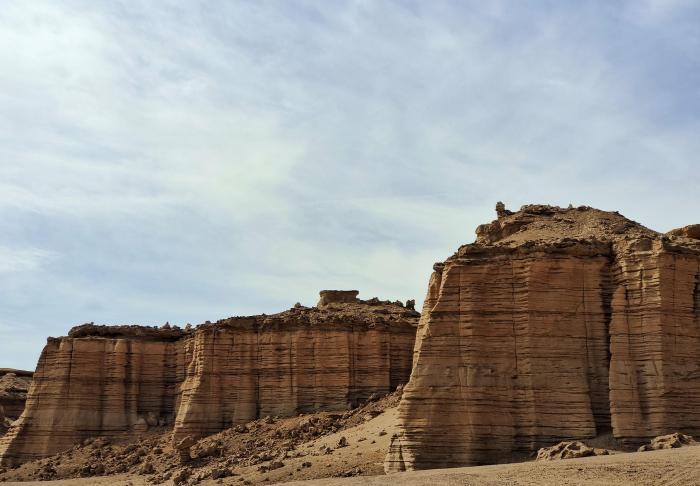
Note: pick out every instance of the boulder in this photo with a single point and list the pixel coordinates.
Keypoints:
(568, 450)
(669, 441)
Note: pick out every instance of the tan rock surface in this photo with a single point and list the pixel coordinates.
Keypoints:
(14, 385)
(670, 441)
(570, 449)
(556, 324)
(121, 381)
(691, 231)
(94, 385)
(303, 360)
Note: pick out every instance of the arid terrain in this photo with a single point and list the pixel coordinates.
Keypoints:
(561, 347)
(320, 462)
(264, 451)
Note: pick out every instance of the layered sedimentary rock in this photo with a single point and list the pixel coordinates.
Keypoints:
(556, 324)
(14, 385)
(117, 381)
(98, 380)
(329, 357)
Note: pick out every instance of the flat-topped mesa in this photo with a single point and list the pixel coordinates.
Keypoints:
(556, 324)
(119, 381)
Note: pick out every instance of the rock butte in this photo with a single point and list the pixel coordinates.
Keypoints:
(117, 381)
(555, 324)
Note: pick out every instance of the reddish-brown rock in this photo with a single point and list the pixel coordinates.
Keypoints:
(119, 381)
(556, 324)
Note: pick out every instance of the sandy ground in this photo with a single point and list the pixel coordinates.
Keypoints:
(368, 442)
(677, 467)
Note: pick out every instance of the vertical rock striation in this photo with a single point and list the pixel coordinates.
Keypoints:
(109, 381)
(329, 357)
(117, 381)
(555, 324)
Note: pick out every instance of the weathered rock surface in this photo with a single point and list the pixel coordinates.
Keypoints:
(556, 324)
(14, 385)
(120, 381)
(569, 450)
(330, 357)
(670, 441)
(690, 231)
(95, 385)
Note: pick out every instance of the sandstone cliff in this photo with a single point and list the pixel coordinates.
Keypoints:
(96, 382)
(117, 381)
(555, 324)
(329, 357)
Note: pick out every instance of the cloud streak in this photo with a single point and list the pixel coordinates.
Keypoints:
(183, 162)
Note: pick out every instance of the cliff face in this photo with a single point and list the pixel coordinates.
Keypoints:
(90, 385)
(556, 324)
(117, 381)
(329, 357)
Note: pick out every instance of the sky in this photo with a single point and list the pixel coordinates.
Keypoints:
(188, 161)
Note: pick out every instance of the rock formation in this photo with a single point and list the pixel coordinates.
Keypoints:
(96, 381)
(556, 324)
(14, 385)
(670, 441)
(118, 381)
(568, 450)
(329, 357)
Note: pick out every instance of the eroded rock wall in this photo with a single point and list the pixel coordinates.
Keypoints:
(512, 356)
(655, 342)
(557, 324)
(304, 361)
(117, 381)
(94, 386)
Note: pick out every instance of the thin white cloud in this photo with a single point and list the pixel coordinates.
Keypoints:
(13, 260)
(187, 161)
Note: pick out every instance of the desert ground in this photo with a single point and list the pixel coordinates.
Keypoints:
(677, 467)
(367, 432)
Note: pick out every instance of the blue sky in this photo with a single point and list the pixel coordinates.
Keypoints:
(184, 161)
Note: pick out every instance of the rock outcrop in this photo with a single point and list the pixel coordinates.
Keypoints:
(14, 385)
(569, 450)
(119, 381)
(670, 441)
(97, 381)
(556, 324)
